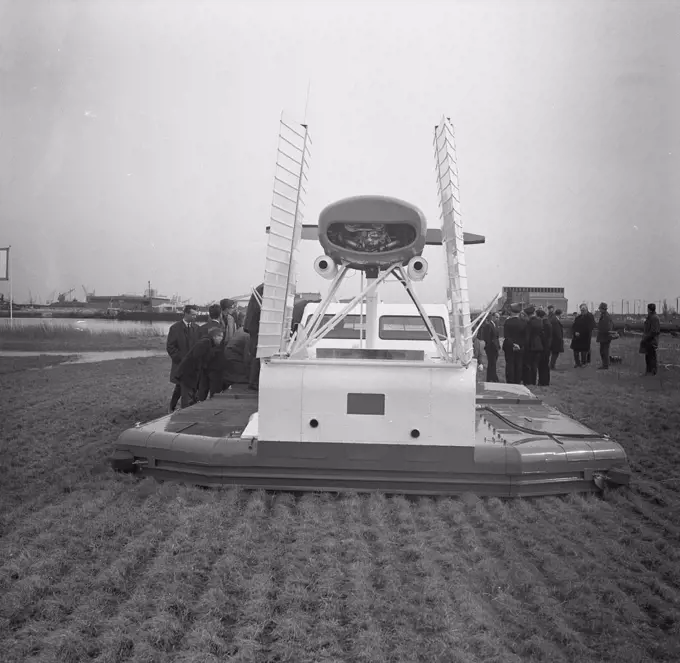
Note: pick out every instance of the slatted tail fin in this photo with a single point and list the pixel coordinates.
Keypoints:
(453, 241)
(280, 276)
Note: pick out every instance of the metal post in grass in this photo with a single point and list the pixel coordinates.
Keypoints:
(11, 303)
(7, 277)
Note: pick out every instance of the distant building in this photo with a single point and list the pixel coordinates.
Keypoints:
(125, 302)
(534, 296)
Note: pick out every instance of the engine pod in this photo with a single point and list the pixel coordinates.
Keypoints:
(372, 231)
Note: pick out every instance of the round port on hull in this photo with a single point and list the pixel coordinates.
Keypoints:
(415, 433)
(313, 423)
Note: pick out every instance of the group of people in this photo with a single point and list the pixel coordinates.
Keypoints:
(533, 341)
(207, 359)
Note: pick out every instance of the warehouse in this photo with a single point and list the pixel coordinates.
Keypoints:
(536, 296)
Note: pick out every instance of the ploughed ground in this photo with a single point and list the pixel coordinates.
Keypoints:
(102, 567)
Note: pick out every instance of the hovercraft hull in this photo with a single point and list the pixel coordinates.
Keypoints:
(522, 447)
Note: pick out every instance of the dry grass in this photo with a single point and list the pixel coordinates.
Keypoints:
(54, 337)
(98, 567)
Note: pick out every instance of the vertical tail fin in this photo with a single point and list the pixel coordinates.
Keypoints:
(280, 277)
(453, 241)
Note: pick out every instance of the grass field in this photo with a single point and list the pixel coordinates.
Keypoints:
(99, 567)
(55, 337)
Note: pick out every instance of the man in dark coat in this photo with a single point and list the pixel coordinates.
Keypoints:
(650, 339)
(210, 381)
(214, 320)
(514, 335)
(582, 332)
(196, 362)
(557, 337)
(544, 359)
(251, 326)
(605, 327)
(533, 346)
(181, 338)
(492, 346)
(237, 359)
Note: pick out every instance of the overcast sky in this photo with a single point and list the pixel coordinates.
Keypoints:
(138, 138)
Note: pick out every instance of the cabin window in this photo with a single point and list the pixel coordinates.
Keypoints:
(408, 328)
(349, 327)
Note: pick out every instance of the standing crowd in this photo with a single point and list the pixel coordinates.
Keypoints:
(533, 341)
(207, 359)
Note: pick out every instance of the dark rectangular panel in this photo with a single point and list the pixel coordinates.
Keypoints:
(365, 353)
(366, 404)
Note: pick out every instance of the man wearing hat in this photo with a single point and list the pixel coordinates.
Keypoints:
(650, 339)
(514, 334)
(605, 327)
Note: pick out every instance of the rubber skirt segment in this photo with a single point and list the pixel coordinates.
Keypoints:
(481, 485)
(123, 461)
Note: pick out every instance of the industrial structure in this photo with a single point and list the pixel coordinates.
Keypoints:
(143, 302)
(534, 296)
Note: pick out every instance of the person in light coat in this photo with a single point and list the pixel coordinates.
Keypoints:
(228, 307)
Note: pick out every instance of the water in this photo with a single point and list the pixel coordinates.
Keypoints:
(86, 357)
(89, 324)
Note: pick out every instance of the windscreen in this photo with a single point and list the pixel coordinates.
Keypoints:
(409, 328)
(391, 327)
(349, 327)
